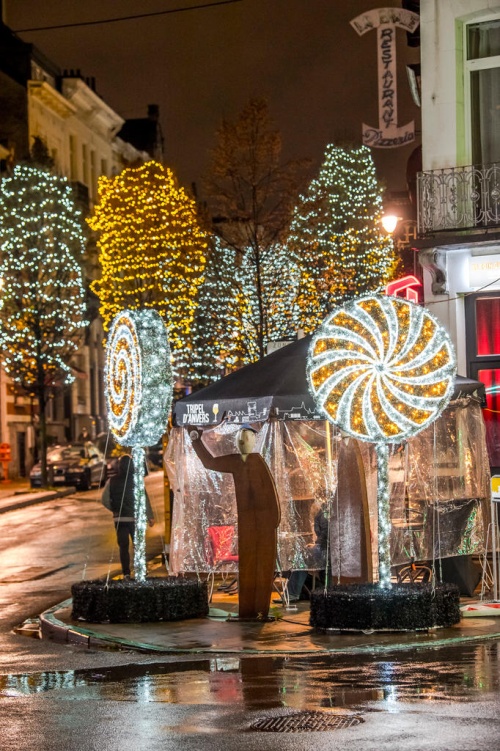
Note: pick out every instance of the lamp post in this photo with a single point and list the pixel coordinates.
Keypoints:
(402, 231)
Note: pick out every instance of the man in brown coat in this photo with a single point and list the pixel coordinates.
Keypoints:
(258, 518)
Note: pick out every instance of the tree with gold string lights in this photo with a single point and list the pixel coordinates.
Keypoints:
(336, 235)
(151, 250)
(42, 303)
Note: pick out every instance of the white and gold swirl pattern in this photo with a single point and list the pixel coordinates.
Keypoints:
(381, 368)
(138, 377)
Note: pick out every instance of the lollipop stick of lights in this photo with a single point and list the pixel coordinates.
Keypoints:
(138, 381)
(381, 369)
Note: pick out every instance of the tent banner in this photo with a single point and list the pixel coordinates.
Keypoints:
(207, 412)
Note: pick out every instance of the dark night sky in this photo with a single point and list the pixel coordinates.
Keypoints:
(199, 66)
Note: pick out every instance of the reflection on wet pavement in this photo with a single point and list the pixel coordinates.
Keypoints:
(460, 674)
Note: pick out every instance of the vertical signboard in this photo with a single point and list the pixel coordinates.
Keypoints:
(386, 21)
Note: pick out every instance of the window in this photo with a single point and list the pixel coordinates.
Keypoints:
(72, 159)
(93, 175)
(482, 314)
(482, 82)
(85, 164)
(487, 326)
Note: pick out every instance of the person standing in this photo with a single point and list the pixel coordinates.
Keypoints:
(119, 498)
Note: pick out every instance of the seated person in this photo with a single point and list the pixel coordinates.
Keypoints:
(316, 556)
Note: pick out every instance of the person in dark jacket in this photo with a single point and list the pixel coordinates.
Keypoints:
(118, 497)
(316, 557)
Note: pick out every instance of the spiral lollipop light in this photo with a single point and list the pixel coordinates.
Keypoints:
(138, 380)
(138, 377)
(381, 369)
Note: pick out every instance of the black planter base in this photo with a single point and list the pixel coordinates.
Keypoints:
(368, 607)
(156, 599)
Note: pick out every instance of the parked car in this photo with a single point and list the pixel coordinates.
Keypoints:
(79, 464)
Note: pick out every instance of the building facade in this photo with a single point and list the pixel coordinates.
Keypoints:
(459, 186)
(79, 130)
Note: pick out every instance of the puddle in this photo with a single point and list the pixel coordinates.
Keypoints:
(459, 674)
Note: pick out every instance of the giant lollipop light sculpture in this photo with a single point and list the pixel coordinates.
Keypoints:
(138, 380)
(381, 369)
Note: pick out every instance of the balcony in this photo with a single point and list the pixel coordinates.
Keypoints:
(459, 198)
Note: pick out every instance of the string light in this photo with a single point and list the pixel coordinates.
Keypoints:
(138, 382)
(335, 250)
(151, 250)
(42, 305)
(139, 460)
(230, 319)
(336, 236)
(381, 369)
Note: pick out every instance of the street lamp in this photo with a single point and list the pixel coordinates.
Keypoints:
(403, 232)
(390, 222)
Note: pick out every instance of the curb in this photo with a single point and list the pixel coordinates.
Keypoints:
(37, 498)
(56, 630)
(53, 629)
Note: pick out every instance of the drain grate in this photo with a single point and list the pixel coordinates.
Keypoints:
(305, 722)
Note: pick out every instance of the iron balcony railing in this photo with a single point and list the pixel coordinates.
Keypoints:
(459, 198)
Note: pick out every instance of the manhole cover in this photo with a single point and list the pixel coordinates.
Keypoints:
(305, 722)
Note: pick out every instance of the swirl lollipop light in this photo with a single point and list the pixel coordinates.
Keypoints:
(138, 380)
(381, 369)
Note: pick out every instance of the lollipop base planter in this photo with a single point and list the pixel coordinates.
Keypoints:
(156, 599)
(368, 607)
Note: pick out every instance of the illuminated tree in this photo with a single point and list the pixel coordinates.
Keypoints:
(42, 303)
(336, 236)
(279, 278)
(151, 250)
(212, 353)
(251, 194)
(227, 319)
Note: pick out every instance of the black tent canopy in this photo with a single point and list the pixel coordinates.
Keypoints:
(274, 386)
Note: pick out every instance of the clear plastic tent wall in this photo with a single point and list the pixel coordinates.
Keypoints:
(440, 490)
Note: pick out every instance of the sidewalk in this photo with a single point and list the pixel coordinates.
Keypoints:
(16, 494)
(290, 633)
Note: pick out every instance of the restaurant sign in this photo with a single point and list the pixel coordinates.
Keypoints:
(484, 271)
(386, 20)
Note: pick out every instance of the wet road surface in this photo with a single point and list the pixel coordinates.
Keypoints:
(44, 549)
(444, 700)
(57, 697)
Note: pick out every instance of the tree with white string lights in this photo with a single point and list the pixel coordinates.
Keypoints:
(226, 329)
(336, 235)
(42, 304)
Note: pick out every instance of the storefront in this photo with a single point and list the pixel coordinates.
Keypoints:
(462, 288)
